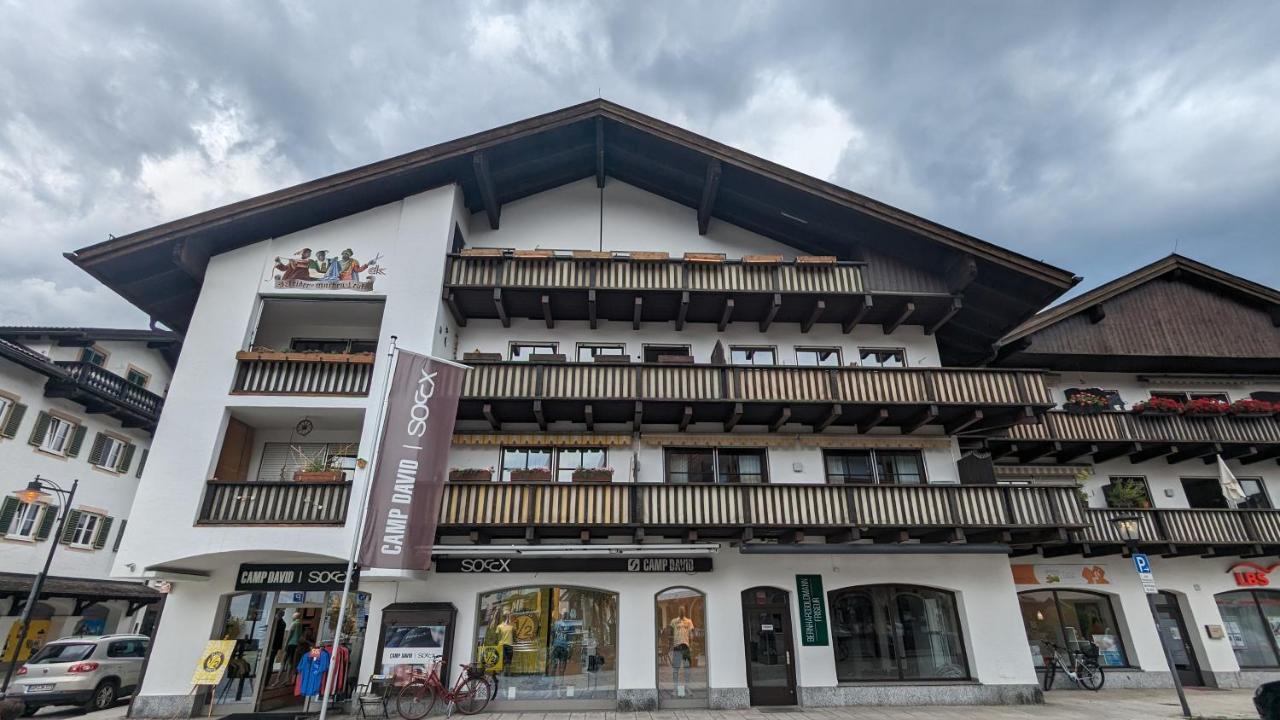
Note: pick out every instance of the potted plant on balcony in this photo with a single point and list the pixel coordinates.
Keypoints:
(1205, 408)
(316, 467)
(471, 474)
(531, 475)
(477, 356)
(604, 474)
(1157, 406)
(1086, 402)
(1251, 408)
(1128, 495)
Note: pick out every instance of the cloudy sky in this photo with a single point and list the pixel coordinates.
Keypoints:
(1096, 136)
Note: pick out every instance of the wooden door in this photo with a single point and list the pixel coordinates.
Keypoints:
(237, 447)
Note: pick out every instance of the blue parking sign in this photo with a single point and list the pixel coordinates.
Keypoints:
(1141, 562)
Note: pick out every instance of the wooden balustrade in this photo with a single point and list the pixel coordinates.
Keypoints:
(113, 387)
(302, 374)
(788, 384)
(1183, 526)
(275, 503)
(1128, 427)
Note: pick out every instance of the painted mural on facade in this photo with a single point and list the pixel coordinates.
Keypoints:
(322, 270)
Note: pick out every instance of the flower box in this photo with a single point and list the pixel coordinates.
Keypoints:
(1084, 402)
(650, 256)
(1206, 408)
(705, 258)
(612, 359)
(548, 357)
(481, 357)
(815, 259)
(471, 475)
(533, 254)
(592, 254)
(533, 475)
(482, 252)
(675, 359)
(1251, 408)
(1157, 407)
(317, 476)
(593, 475)
(261, 355)
(761, 259)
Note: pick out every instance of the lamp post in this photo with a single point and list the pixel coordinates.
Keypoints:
(1128, 527)
(34, 492)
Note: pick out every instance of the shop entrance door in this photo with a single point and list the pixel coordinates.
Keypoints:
(1174, 632)
(771, 675)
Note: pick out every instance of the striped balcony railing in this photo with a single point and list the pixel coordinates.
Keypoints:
(112, 387)
(1181, 526)
(1126, 427)
(275, 503)
(263, 373)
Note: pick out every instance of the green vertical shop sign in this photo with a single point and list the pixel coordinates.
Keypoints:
(813, 610)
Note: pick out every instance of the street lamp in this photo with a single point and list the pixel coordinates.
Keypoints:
(1128, 527)
(35, 491)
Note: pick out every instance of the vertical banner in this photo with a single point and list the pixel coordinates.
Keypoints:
(408, 479)
(813, 610)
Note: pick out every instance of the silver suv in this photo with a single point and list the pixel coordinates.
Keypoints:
(92, 672)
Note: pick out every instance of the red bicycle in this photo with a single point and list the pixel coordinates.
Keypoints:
(470, 695)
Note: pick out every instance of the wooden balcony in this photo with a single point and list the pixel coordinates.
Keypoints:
(1110, 435)
(1180, 531)
(844, 513)
(263, 373)
(102, 391)
(636, 290)
(907, 398)
(275, 503)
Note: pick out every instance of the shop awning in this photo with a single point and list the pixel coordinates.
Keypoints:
(18, 585)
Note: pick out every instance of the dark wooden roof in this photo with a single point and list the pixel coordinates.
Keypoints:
(160, 269)
(1174, 315)
(19, 585)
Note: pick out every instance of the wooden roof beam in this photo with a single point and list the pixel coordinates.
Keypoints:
(726, 316)
(1074, 452)
(488, 194)
(818, 309)
(589, 417)
(683, 315)
(686, 417)
(591, 309)
(907, 310)
(864, 304)
(831, 416)
(962, 422)
(872, 420)
(735, 416)
(772, 312)
(487, 411)
(451, 304)
(950, 312)
(961, 272)
(1116, 451)
(636, 309)
(1031, 453)
(546, 312)
(710, 187)
(501, 307)
(1151, 452)
(1192, 453)
(637, 416)
(191, 257)
(539, 415)
(1231, 452)
(783, 416)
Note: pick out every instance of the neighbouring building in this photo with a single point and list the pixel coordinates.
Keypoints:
(732, 435)
(75, 404)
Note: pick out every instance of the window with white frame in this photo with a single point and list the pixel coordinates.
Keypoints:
(521, 351)
(112, 448)
(86, 530)
(818, 356)
(588, 352)
(26, 518)
(58, 435)
(882, 357)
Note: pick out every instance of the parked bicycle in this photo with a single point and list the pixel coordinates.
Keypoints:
(470, 694)
(1080, 665)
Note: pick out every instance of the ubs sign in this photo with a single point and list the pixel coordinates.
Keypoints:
(292, 577)
(1251, 574)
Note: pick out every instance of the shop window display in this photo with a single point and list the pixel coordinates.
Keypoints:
(682, 649)
(1073, 619)
(896, 632)
(550, 642)
(1251, 619)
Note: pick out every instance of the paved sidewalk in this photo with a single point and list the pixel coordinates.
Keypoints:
(1059, 705)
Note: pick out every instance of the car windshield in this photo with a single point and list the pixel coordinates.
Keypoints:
(61, 653)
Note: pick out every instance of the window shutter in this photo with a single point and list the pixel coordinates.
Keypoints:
(126, 457)
(95, 452)
(115, 547)
(77, 440)
(46, 522)
(104, 530)
(142, 463)
(8, 509)
(42, 427)
(11, 423)
(69, 531)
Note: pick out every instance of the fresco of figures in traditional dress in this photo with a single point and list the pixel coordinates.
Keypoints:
(322, 271)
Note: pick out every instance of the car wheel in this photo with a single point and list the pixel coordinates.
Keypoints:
(29, 710)
(103, 697)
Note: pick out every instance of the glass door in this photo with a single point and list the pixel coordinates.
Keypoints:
(771, 677)
(1174, 632)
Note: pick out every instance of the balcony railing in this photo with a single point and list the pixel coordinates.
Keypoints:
(271, 373)
(1186, 527)
(275, 503)
(716, 510)
(103, 390)
(1128, 427)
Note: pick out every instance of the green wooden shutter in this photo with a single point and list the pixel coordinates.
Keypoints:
(95, 452)
(12, 422)
(115, 547)
(42, 427)
(69, 531)
(142, 462)
(104, 529)
(46, 522)
(8, 509)
(77, 440)
(126, 457)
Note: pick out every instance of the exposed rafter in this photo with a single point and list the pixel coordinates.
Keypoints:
(771, 312)
(934, 326)
(710, 187)
(864, 305)
(907, 310)
(488, 195)
(818, 309)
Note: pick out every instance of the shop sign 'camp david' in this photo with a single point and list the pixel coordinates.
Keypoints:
(408, 480)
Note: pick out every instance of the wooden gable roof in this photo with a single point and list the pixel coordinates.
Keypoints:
(160, 269)
(1174, 315)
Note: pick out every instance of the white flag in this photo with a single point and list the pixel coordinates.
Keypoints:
(1231, 489)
